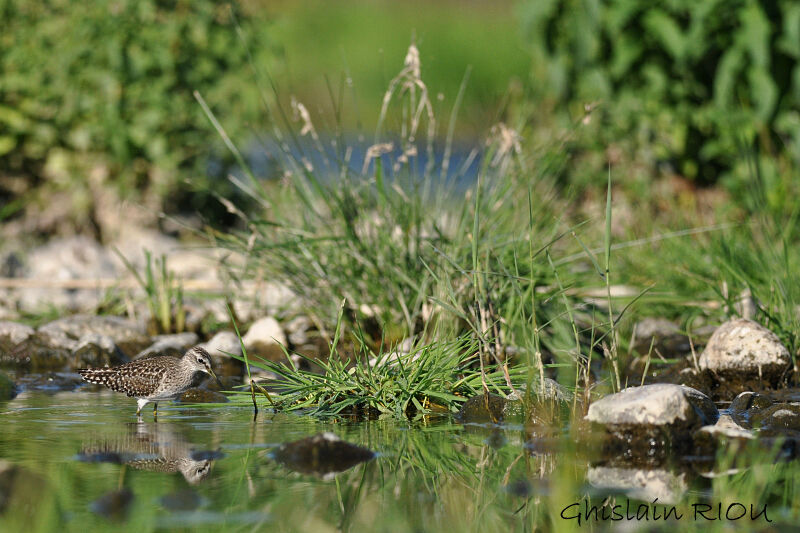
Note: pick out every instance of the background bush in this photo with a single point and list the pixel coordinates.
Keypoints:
(698, 81)
(101, 91)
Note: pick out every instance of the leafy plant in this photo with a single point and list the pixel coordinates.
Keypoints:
(694, 82)
(103, 90)
(427, 378)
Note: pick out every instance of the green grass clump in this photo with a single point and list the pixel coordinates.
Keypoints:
(163, 294)
(429, 379)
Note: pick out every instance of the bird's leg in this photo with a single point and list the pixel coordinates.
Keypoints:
(155, 410)
(141, 402)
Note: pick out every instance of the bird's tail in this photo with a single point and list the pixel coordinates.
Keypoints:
(101, 376)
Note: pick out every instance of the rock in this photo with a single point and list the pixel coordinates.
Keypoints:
(667, 335)
(297, 330)
(7, 388)
(702, 380)
(93, 350)
(669, 338)
(323, 454)
(128, 335)
(660, 404)
(778, 418)
(77, 341)
(219, 346)
(62, 260)
(650, 423)
(198, 395)
(550, 389)
(12, 334)
(50, 382)
(132, 243)
(264, 339)
(186, 262)
(742, 352)
(175, 344)
(726, 427)
(41, 352)
(482, 409)
(224, 343)
(745, 405)
(264, 298)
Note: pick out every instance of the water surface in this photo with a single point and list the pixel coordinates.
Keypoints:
(80, 461)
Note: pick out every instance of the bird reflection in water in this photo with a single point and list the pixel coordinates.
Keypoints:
(155, 447)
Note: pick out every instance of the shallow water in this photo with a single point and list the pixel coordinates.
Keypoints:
(211, 468)
(80, 461)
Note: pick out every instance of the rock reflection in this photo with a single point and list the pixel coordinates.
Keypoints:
(113, 505)
(324, 455)
(641, 484)
(155, 447)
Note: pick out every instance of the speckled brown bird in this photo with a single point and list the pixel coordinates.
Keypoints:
(153, 379)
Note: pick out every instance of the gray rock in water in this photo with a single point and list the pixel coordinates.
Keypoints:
(128, 335)
(745, 405)
(12, 334)
(483, 409)
(175, 344)
(778, 418)
(77, 341)
(661, 404)
(744, 350)
(752, 410)
(652, 423)
(728, 428)
(93, 350)
(49, 381)
(264, 338)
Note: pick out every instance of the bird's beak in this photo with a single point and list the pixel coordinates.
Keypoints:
(213, 375)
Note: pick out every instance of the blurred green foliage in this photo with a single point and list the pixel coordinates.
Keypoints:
(357, 46)
(109, 84)
(700, 82)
